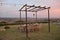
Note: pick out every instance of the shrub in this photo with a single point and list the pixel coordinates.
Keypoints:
(6, 27)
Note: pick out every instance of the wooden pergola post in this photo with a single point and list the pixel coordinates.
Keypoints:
(20, 15)
(26, 22)
(36, 16)
(48, 19)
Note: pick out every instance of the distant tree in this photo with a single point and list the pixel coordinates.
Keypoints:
(3, 22)
(19, 21)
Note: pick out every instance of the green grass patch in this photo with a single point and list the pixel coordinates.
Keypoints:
(14, 34)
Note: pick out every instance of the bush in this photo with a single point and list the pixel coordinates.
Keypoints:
(6, 27)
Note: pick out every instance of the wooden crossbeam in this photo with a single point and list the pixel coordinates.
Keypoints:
(34, 9)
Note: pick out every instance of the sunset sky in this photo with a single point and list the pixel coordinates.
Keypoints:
(10, 10)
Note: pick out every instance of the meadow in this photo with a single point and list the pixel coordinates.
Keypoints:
(14, 34)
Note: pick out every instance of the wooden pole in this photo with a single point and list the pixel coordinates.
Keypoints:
(20, 21)
(36, 17)
(48, 19)
(20, 15)
(26, 23)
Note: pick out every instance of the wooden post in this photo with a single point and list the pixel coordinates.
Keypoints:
(26, 23)
(36, 17)
(20, 15)
(48, 20)
(20, 21)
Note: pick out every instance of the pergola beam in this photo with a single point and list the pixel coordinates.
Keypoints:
(38, 8)
(34, 10)
(34, 7)
(22, 7)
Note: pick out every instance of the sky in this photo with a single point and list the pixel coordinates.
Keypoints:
(11, 10)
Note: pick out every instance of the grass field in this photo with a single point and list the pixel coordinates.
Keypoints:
(14, 34)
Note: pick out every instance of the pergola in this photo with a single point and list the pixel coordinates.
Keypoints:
(27, 8)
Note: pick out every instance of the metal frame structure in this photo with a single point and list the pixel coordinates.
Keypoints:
(33, 8)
